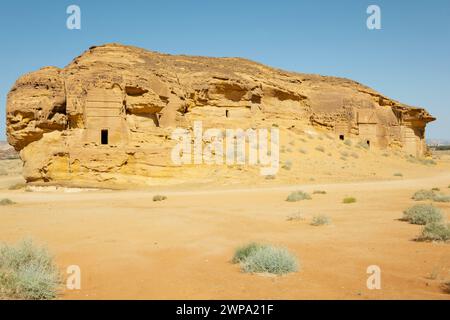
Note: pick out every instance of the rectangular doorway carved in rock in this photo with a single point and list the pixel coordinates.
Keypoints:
(104, 136)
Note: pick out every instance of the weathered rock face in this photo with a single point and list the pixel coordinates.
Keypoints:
(107, 117)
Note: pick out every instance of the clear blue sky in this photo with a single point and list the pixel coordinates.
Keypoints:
(408, 59)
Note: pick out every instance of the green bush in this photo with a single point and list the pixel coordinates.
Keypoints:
(320, 220)
(298, 196)
(257, 258)
(435, 231)
(423, 195)
(349, 200)
(430, 195)
(441, 198)
(159, 198)
(27, 272)
(435, 189)
(6, 202)
(422, 214)
(398, 174)
(243, 252)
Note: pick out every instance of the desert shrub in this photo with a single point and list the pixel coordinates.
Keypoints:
(298, 196)
(348, 142)
(295, 217)
(319, 192)
(320, 148)
(244, 252)
(270, 177)
(159, 198)
(430, 195)
(287, 165)
(275, 125)
(435, 189)
(441, 198)
(320, 220)
(17, 186)
(27, 272)
(448, 186)
(266, 259)
(398, 174)
(435, 231)
(422, 214)
(6, 202)
(349, 200)
(423, 195)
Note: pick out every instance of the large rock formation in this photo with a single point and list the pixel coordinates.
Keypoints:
(107, 117)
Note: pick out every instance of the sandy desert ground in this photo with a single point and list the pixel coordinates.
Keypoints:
(130, 247)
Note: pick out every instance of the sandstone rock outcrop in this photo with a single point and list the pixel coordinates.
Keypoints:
(106, 118)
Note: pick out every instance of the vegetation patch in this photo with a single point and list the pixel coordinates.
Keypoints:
(259, 258)
(27, 272)
(320, 220)
(435, 231)
(430, 195)
(319, 192)
(398, 174)
(159, 198)
(298, 196)
(423, 195)
(6, 202)
(422, 214)
(349, 200)
(441, 198)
